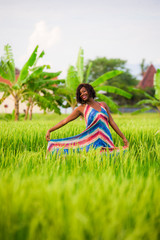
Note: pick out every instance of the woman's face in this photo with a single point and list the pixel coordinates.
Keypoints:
(84, 94)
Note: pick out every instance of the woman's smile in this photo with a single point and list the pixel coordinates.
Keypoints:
(84, 94)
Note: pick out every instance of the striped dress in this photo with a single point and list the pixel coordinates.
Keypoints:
(96, 135)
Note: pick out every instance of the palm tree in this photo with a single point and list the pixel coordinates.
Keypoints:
(75, 76)
(28, 75)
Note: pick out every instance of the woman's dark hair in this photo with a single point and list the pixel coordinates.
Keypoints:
(89, 89)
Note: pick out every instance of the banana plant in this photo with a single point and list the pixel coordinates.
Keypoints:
(75, 76)
(30, 74)
(150, 102)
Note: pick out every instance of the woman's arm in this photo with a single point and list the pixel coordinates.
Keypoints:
(75, 114)
(114, 125)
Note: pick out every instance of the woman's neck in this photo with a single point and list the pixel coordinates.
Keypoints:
(90, 101)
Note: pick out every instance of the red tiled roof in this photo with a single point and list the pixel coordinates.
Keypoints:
(148, 77)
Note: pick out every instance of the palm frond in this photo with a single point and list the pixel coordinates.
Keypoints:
(148, 101)
(72, 81)
(25, 70)
(115, 90)
(157, 84)
(138, 90)
(4, 96)
(10, 62)
(3, 70)
(80, 65)
(142, 110)
(65, 92)
(105, 77)
(88, 72)
(46, 102)
(113, 106)
(50, 74)
(40, 56)
(4, 87)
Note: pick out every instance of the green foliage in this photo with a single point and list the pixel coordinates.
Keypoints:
(113, 106)
(105, 77)
(79, 196)
(72, 80)
(103, 65)
(99, 66)
(75, 76)
(150, 102)
(115, 90)
(80, 65)
(25, 69)
(157, 84)
(32, 81)
(7, 66)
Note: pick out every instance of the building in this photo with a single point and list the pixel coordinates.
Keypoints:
(148, 78)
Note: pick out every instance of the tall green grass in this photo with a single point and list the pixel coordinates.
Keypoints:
(80, 195)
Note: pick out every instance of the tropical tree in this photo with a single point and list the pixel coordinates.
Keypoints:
(152, 102)
(41, 91)
(75, 76)
(30, 74)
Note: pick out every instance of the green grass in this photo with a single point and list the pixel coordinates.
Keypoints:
(79, 196)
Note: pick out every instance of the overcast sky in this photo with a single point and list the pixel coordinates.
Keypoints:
(126, 29)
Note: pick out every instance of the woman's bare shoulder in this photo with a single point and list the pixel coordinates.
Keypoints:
(81, 108)
(104, 105)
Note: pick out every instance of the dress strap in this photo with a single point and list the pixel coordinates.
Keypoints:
(104, 108)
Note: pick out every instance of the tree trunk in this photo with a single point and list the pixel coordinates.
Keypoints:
(72, 108)
(30, 113)
(27, 111)
(16, 107)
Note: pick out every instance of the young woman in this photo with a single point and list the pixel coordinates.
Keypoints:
(97, 133)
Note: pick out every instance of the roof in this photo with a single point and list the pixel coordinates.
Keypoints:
(148, 78)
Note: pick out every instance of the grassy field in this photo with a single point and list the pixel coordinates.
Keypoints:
(79, 196)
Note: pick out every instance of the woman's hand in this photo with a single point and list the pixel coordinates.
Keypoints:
(126, 143)
(48, 136)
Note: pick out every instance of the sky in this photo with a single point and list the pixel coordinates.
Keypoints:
(125, 29)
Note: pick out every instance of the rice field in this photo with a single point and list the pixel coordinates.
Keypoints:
(80, 195)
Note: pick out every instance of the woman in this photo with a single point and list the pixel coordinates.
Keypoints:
(97, 117)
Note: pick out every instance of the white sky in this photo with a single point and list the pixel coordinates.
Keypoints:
(126, 29)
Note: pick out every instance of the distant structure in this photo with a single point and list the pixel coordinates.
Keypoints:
(148, 78)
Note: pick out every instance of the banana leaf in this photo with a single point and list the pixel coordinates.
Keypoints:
(105, 77)
(88, 72)
(138, 90)
(50, 75)
(65, 92)
(4, 96)
(25, 70)
(4, 87)
(113, 106)
(80, 65)
(142, 110)
(10, 62)
(157, 84)
(115, 90)
(72, 81)
(149, 101)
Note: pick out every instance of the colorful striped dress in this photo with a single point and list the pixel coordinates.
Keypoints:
(96, 135)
